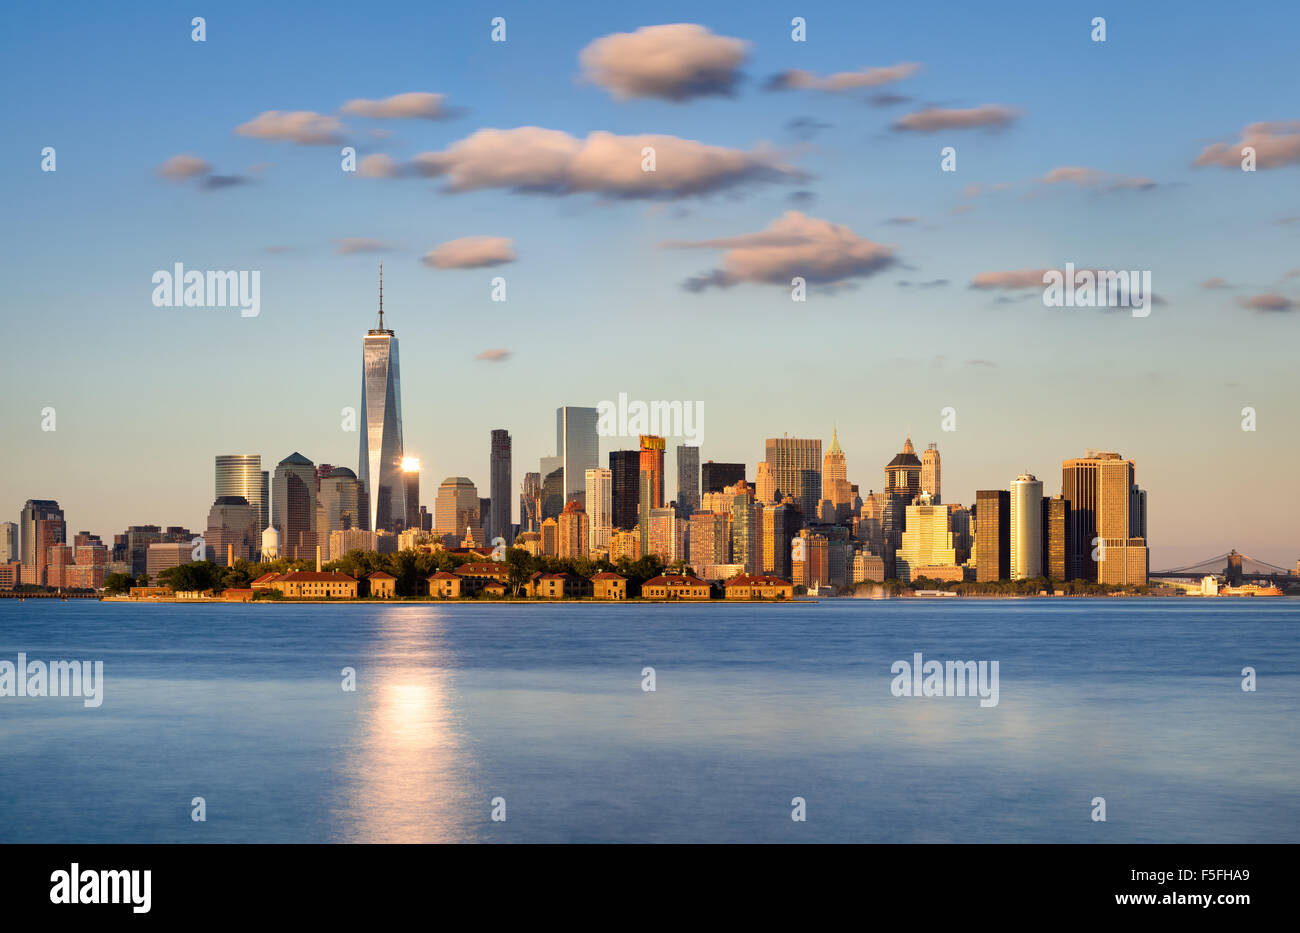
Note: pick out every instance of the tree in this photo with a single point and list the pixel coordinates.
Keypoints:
(117, 584)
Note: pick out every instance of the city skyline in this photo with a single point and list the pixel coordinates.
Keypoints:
(939, 321)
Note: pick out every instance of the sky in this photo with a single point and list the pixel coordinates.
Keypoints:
(522, 159)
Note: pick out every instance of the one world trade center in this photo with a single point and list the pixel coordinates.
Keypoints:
(380, 469)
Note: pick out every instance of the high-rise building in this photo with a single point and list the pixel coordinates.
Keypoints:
(232, 533)
(930, 475)
(835, 479)
(661, 535)
(339, 503)
(779, 527)
(573, 534)
(764, 483)
(927, 540)
(1056, 538)
(40, 526)
(552, 470)
(550, 537)
(530, 503)
(1026, 528)
(650, 486)
(992, 535)
(293, 506)
(903, 473)
(600, 505)
(242, 475)
(380, 469)
(715, 477)
(457, 509)
(688, 479)
(625, 466)
(1107, 517)
(796, 465)
(746, 527)
(9, 542)
(576, 444)
(710, 536)
(499, 483)
(411, 492)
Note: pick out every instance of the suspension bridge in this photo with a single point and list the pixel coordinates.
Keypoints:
(1234, 566)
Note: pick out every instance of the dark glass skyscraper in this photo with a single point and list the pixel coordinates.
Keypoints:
(992, 535)
(715, 476)
(380, 468)
(242, 475)
(576, 444)
(688, 480)
(499, 484)
(626, 466)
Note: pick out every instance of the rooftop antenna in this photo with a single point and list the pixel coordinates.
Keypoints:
(381, 296)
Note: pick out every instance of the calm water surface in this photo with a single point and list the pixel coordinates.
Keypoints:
(1138, 701)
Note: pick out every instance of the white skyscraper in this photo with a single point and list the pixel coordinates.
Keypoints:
(600, 505)
(1026, 527)
(380, 467)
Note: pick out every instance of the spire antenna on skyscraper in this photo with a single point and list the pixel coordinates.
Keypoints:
(381, 296)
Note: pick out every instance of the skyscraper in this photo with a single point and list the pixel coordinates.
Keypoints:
(40, 525)
(530, 503)
(1026, 527)
(688, 479)
(992, 534)
(576, 444)
(927, 541)
(411, 492)
(456, 508)
(232, 533)
(835, 471)
(1107, 518)
(339, 503)
(293, 506)
(764, 483)
(625, 466)
(242, 475)
(600, 504)
(572, 531)
(381, 454)
(552, 471)
(930, 477)
(796, 465)
(903, 473)
(1056, 538)
(499, 483)
(8, 542)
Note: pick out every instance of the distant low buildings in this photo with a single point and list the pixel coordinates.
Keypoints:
(758, 587)
(675, 586)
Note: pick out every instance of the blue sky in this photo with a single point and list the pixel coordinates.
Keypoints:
(146, 396)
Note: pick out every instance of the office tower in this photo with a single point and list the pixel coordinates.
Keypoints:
(339, 503)
(650, 486)
(164, 555)
(552, 470)
(746, 527)
(485, 516)
(1107, 518)
(576, 445)
(715, 477)
(1026, 527)
(625, 466)
(530, 503)
(903, 473)
(764, 483)
(927, 542)
(688, 479)
(242, 475)
(456, 508)
(992, 535)
(426, 519)
(293, 506)
(625, 543)
(136, 549)
(710, 536)
(835, 481)
(411, 492)
(1056, 538)
(9, 542)
(959, 519)
(600, 506)
(930, 477)
(652, 462)
(573, 531)
(661, 534)
(796, 465)
(381, 427)
(40, 527)
(780, 525)
(499, 484)
(550, 537)
(232, 533)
